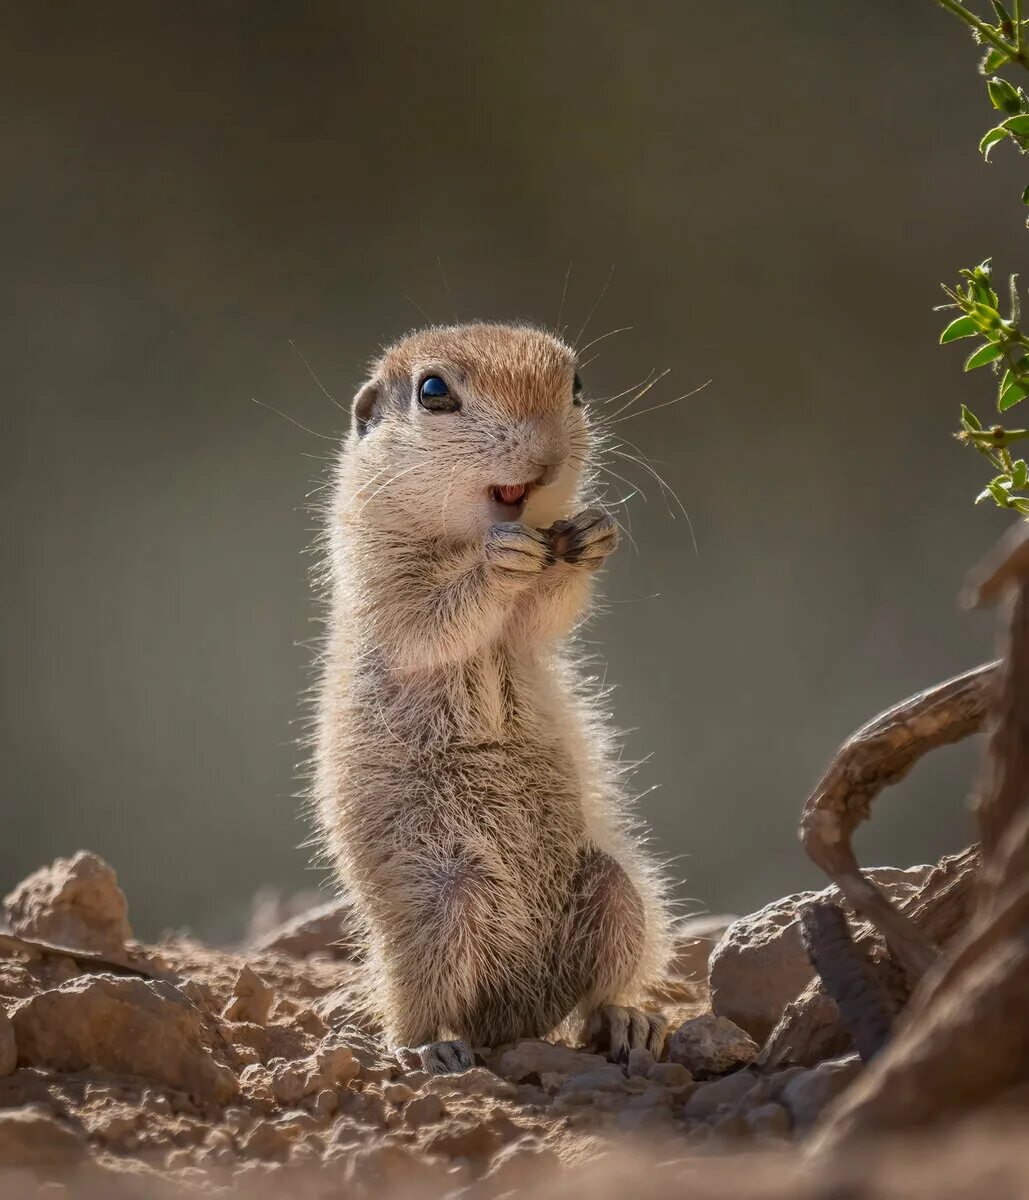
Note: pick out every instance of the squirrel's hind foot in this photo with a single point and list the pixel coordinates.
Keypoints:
(614, 1031)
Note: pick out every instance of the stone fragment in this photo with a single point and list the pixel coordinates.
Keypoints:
(75, 902)
(537, 1058)
(332, 929)
(138, 1027)
(640, 1060)
(769, 1120)
(729, 1093)
(478, 1082)
(760, 964)
(608, 1078)
(32, 1137)
(423, 1110)
(809, 1092)
(710, 1045)
(669, 1074)
(251, 998)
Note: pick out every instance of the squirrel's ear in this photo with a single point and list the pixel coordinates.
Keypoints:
(367, 406)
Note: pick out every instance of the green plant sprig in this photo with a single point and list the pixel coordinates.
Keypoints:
(1003, 345)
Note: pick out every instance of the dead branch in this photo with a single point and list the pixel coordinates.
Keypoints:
(810, 1030)
(865, 1006)
(964, 1038)
(880, 754)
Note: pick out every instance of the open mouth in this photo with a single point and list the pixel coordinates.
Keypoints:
(510, 497)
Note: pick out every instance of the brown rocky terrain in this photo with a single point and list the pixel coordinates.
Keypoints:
(177, 1069)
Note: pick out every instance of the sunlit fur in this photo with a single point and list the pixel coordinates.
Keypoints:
(467, 788)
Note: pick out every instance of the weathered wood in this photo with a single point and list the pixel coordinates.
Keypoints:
(964, 1037)
(877, 755)
(810, 1029)
(866, 1008)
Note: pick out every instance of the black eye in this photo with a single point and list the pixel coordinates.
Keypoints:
(576, 390)
(434, 395)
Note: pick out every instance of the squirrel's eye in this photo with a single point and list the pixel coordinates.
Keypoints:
(434, 395)
(576, 390)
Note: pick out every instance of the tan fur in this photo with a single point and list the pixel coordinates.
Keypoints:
(466, 785)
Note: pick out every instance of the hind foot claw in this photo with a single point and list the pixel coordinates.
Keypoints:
(438, 1058)
(614, 1031)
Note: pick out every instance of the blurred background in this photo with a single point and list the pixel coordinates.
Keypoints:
(189, 188)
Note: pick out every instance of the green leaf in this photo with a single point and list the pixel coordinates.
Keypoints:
(985, 354)
(1011, 393)
(1019, 125)
(998, 491)
(1025, 196)
(1020, 473)
(994, 59)
(990, 139)
(1003, 95)
(1001, 11)
(1021, 505)
(969, 419)
(961, 328)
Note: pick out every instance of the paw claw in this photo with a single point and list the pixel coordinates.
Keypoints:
(586, 540)
(614, 1030)
(441, 1058)
(517, 551)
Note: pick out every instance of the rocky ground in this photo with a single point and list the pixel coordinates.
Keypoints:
(131, 1070)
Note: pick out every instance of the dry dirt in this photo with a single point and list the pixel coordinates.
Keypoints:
(131, 1070)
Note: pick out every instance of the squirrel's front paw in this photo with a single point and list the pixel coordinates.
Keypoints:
(517, 551)
(586, 540)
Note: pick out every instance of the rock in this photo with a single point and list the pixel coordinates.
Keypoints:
(669, 1074)
(138, 1027)
(424, 1110)
(75, 902)
(8, 1044)
(332, 929)
(808, 1093)
(31, 1137)
(710, 1045)
(539, 1058)
(693, 940)
(719, 1093)
(251, 998)
(769, 1120)
(760, 965)
(608, 1078)
(477, 1082)
(640, 1061)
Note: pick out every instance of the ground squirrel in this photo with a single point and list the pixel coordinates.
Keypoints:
(466, 785)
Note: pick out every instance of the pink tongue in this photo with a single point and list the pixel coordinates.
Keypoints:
(511, 495)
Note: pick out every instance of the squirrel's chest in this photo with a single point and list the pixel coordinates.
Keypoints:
(492, 697)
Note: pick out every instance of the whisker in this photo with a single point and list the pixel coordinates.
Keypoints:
(286, 417)
(665, 488)
(596, 302)
(610, 420)
(665, 404)
(564, 292)
(405, 471)
(446, 288)
(625, 391)
(415, 304)
(610, 333)
(310, 370)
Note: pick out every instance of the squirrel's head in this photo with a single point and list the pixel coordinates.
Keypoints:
(461, 426)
